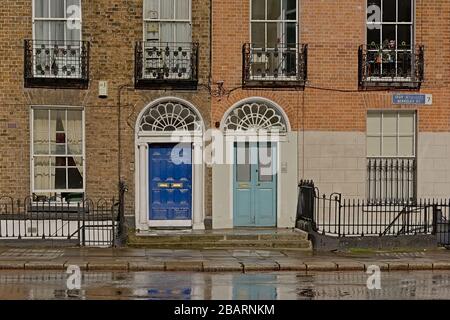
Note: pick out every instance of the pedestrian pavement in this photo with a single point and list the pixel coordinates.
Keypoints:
(132, 259)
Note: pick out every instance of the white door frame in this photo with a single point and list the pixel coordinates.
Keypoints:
(142, 194)
(251, 136)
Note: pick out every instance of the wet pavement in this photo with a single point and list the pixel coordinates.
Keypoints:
(224, 286)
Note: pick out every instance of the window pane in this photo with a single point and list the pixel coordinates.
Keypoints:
(74, 132)
(273, 9)
(40, 132)
(291, 33)
(41, 173)
(75, 178)
(243, 165)
(182, 9)
(390, 123)
(272, 34)
(389, 10)
(374, 123)
(57, 31)
(167, 34)
(57, 126)
(182, 32)
(265, 162)
(59, 178)
(406, 146)
(59, 161)
(57, 9)
(389, 37)
(258, 9)
(41, 30)
(373, 146)
(373, 37)
(167, 9)
(389, 146)
(404, 36)
(258, 34)
(406, 123)
(41, 8)
(404, 11)
(151, 9)
(290, 9)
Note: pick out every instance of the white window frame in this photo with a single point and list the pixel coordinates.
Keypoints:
(381, 135)
(282, 21)
(80, 20)
(82, 155)
(412, 23)
(159, 20)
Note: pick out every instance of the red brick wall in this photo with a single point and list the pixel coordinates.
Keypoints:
(333, 31)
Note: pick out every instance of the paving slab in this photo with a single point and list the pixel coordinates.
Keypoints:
(184, 265)
(146, 266)
(110, 266)
(423, 265)
(4, 265)
(222, 266)
(291, 265)
(83, 265)
(320, 266)
(441, 265)
(44, 265)
(397, 265)
(349, 265)
(260, 266)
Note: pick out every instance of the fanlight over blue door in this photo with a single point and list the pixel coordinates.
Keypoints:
(170, 185)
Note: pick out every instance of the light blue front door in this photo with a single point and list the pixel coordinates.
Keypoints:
(255, 185)
(170, 191)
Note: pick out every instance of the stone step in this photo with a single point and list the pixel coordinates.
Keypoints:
(225, 244)
(294, 236)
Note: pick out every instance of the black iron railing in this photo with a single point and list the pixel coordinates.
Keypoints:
(391, 180)
(84, 223)
(166, 65)
(56, 63)
(284, 65)
(401, 67)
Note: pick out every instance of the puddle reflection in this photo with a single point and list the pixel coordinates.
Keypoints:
(223, 286)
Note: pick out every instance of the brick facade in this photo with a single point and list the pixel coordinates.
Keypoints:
(331, 101)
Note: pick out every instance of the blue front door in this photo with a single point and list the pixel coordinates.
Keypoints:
(170, 169)
(255, 185)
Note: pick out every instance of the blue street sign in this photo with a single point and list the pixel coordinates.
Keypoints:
(425, 99)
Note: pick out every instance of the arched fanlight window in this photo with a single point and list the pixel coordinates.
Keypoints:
(170, 115)
(255, 116)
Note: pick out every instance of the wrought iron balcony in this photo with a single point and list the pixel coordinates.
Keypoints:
(282, 66)
(397, 68)
(60, 64)
(166, 65)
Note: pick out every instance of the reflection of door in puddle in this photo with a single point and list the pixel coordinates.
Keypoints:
(254, 287)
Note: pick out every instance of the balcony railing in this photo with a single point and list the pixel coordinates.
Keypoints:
(401, 67)
(60, 64)
(391, 180)
(166, 65)
(282, 66)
